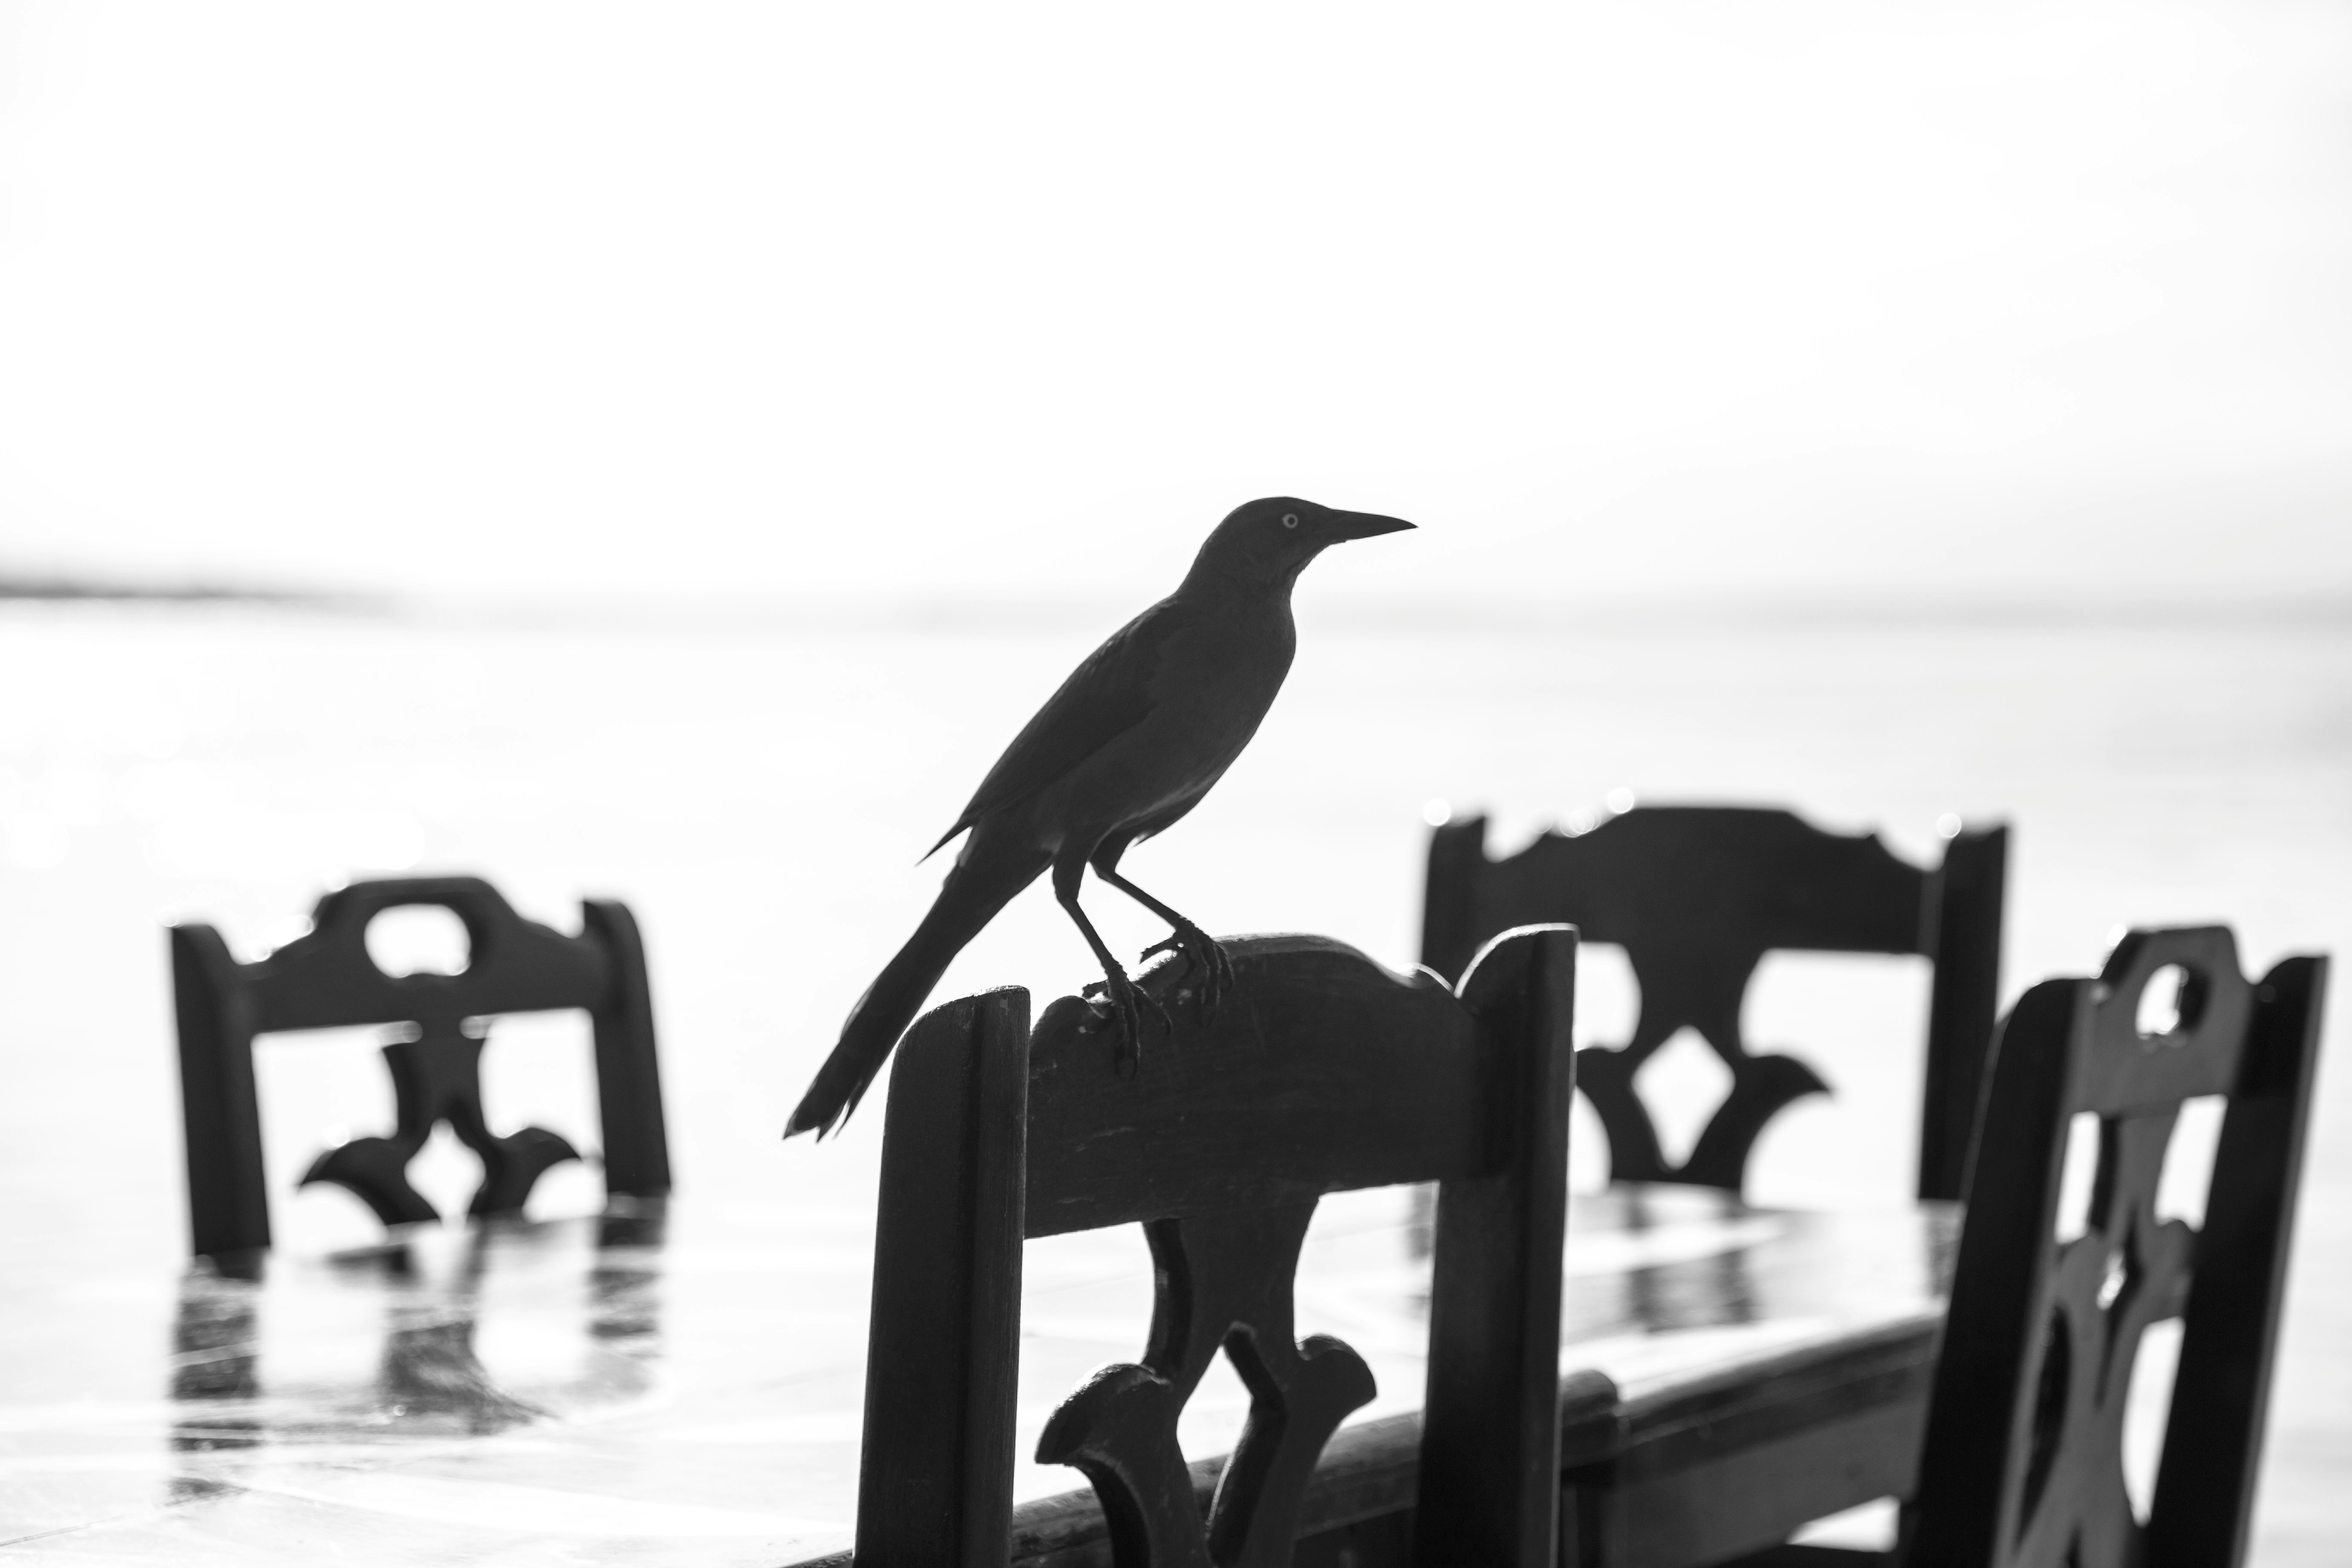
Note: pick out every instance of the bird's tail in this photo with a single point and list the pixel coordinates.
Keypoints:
(981, 883)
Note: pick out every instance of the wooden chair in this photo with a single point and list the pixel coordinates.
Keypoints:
(326, 980)
(2022, 1465)
(1697, 895)
(1321, 1072)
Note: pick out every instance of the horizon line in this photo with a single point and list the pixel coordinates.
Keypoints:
(1439, 611)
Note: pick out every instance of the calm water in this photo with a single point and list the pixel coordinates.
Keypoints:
(761, 796)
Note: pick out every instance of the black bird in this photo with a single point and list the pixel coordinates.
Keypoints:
(1131, 742)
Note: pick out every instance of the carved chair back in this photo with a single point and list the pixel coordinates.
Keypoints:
(1319, 1073)
(325, 979)
(2022, 1466)
(1697, 896)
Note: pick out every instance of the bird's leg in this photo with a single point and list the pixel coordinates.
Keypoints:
(1127, 1000)
(1205, 954)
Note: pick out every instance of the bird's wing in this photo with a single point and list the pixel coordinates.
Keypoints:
(1104, 698)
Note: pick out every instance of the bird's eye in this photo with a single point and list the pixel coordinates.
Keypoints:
(1290, 520)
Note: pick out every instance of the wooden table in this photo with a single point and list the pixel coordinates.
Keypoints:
(684, 1388)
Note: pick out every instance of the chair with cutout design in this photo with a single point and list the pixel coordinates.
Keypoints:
(326, 979)
(1320, 1072)
(1697, 895)
(2023, 1462)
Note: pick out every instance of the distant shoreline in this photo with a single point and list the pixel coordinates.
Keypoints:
(78, 589)
(1438, 616)
(1444, 615)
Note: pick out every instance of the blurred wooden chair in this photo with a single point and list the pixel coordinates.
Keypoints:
(1697, 896)
(2023, 1462)
(1321, 1072)
(326, 979)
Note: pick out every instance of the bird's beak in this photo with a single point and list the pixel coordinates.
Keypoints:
(1365, 525)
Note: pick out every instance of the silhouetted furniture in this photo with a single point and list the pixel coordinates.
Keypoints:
(2022, 1463)
(325, 979)
(1697, 896)
(1321, 1072)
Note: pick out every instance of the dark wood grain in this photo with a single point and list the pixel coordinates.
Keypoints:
(1715, 1465)
(936, 1471)
(1697, 896)
(1490, 1480)
(1320, 1072)
(325, 979)
(1711, 1510)
(1358, 1508)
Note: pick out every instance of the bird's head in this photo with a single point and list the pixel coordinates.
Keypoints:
(1270, 541)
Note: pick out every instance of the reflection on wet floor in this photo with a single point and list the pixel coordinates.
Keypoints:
(213, 1376)
(428, 1377)
(621, 1389)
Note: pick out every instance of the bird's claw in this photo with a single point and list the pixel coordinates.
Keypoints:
(1205, 956)
(1122, 1003)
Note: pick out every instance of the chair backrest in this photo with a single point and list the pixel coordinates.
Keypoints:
(1320, 1072)
(325, 979)
(2022, 1463)
(1697, 896)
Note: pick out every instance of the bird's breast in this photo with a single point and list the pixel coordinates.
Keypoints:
(1218, 679)
(1210, 692)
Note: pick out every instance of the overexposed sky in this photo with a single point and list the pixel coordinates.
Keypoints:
(1830, 298)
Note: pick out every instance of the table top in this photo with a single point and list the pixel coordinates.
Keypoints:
(684, 1385)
